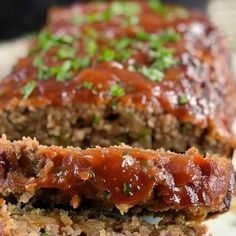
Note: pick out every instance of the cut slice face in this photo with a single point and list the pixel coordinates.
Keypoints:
(121, 177)
(28, 221)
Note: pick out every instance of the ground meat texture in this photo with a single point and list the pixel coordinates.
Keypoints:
(107, 100)
(16, 221)
(119, 176)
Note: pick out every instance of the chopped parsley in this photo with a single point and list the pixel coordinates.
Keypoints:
(91, 47)
(152, 74)
(123, 43)
(27, 90)
(66, 53)
(117, 91)
(145, 133)
(127, 189)
(107, 55)
(44, 234)
(48, 40)
(158, 7)
(106, 195)
(80, 63)
(142, 35)
(87, 85)
(144, 163)
(96, 119)
(182, 100)
(127, 9)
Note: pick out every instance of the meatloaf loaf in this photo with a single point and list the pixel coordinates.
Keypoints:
(137, 72)
(110, 191)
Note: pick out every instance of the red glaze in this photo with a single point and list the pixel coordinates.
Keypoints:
(202, 74)
(132, 177)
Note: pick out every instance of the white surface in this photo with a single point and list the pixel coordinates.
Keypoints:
(224, 225)
(9, 53)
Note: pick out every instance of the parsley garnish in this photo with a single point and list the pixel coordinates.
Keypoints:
(127, 189)
(123, 43)
(44, 234)
(80, 63)
(106, 195)
(96, 119)
(107, 55)
(182, 99)
(48, 40)
(91, 47)
(116, 91)
(66, 53)
(158, 7)
(87, 85)
(127, 9)
(62, 73)
(152, 74)
(27, 90)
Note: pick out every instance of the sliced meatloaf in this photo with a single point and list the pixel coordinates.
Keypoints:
(121, 178)
(137, 72)
(16, 221)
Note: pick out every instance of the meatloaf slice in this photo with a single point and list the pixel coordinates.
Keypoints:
(118, 177)
(137, 72)
(16, 221)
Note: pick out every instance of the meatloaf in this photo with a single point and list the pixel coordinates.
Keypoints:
(138, 72)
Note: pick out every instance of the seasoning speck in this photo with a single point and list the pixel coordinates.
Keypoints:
(27, 90)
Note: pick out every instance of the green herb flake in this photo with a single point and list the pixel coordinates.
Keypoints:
(96, 120)
(127, 189)
(106, 195)
(66, 53)
(67, 39)
(142, 35)
(80, 63)
(27, 90)
(182, 100)
(145, 133)
(87, 85)
(63, 76)
(107, 55)
(38, 61)
(158, 7)
(123, 43)
(169, 35)
(125, 8)
(117, 91)
(77, 20)
(152, 74)
(91, 47)
(44, 234)
(66, 66)
(144, 163)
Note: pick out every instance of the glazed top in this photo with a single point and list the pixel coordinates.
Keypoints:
(140, 54)
(120, 176)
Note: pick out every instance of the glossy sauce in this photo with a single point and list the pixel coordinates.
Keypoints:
(128, 177)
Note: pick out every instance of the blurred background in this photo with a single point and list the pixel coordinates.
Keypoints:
(18, 17)
(21, 16)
